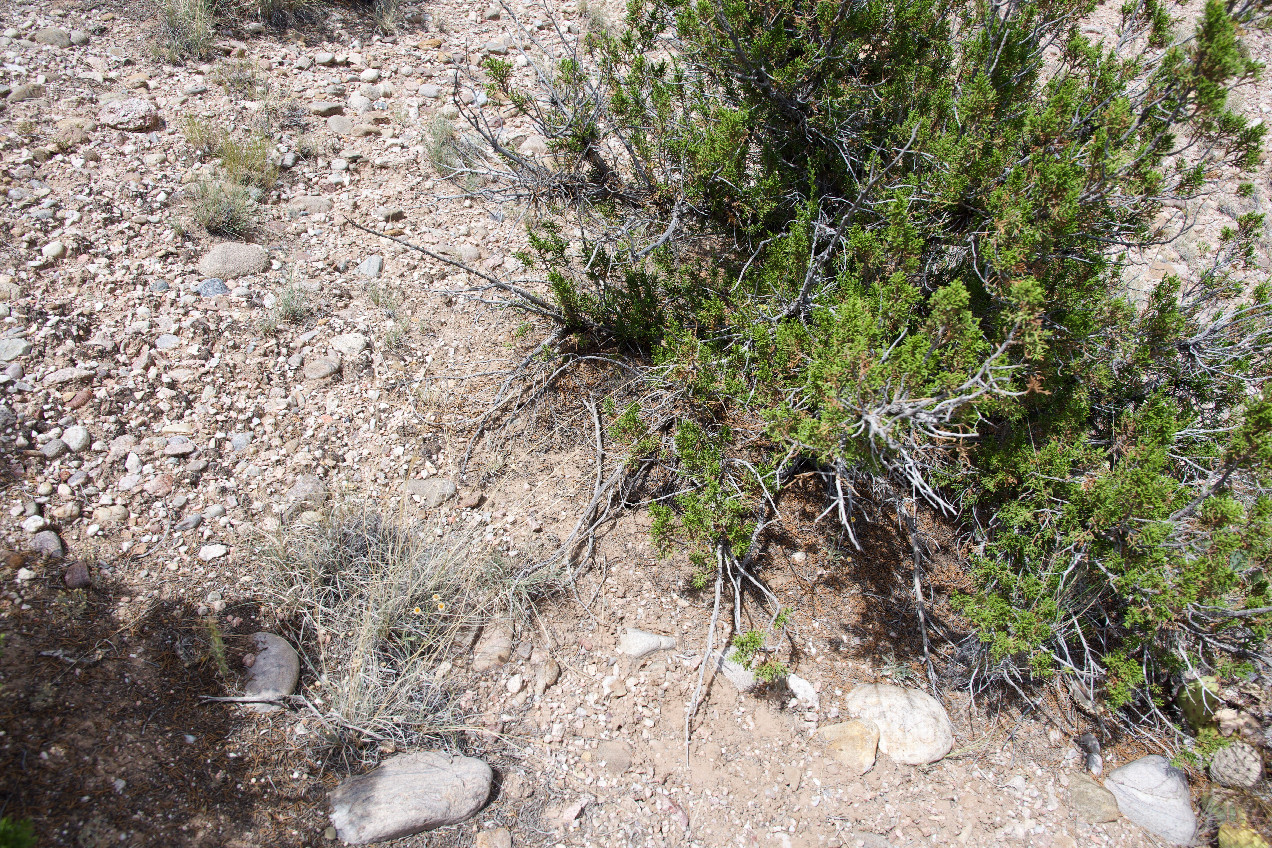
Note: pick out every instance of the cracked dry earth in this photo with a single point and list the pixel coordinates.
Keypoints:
(157, 423)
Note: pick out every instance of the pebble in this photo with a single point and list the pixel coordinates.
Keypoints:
(54, 448)
(34, 524)
(76, 438)
(212, 287)
(54, 36)
(349, 344)
(52, 251)
(321, 367)
(167, 341)
(207, 553)
(408, 794)
(639, 643)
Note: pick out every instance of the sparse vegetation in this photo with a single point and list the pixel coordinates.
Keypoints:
(377, 607)
(16, 833)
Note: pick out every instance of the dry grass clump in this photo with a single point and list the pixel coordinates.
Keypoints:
(186, 29)
(378, 608)
(224, 209)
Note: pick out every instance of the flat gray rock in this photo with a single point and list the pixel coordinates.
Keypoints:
(1154, 795)
(212, 287)
(275, 672)
(130, 115)
(230, 260)
(349, 344)
(409, 794)
(11, 349)
(433, 492)
(371, 266)
(1091, 802)
(55, 36)
(321, 367)
(311, 204)
(913, 727)
(26, 91)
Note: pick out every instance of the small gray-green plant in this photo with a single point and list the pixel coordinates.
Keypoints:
(224, 209)
(240, 79)
(216, 646)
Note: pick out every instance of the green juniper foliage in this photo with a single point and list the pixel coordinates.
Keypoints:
(885, 241)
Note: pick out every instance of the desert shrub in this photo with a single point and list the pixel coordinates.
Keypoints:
(883, 243)
(224, 209)
(378, 606)
(15, 833)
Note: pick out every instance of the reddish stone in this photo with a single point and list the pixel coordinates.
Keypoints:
(77, 576)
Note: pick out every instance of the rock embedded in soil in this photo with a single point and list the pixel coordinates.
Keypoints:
(432, 492)
(1092, 803)
(546, 676)
(48, 543)
(640, 643)
(494, 647)
(852, 744)
(11, 349)
(321, 367)
(274, 672)
(230, 260)
(349, 344)
(53, 36)
(77, 575)
(914, 728)
(371, 266)
(1154, 795)
(409, 794)
(1237, 765)
(615, 756)
(500, 837)
(132, 114)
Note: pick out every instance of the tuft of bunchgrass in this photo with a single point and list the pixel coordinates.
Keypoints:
(246, 161)
(224, 209)
(284, 13)
(186, 29)
(378, 606)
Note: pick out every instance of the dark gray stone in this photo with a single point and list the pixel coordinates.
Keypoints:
(212, 287)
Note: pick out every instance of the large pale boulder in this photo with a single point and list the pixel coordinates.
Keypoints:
(1154, 795)
(913, 726)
